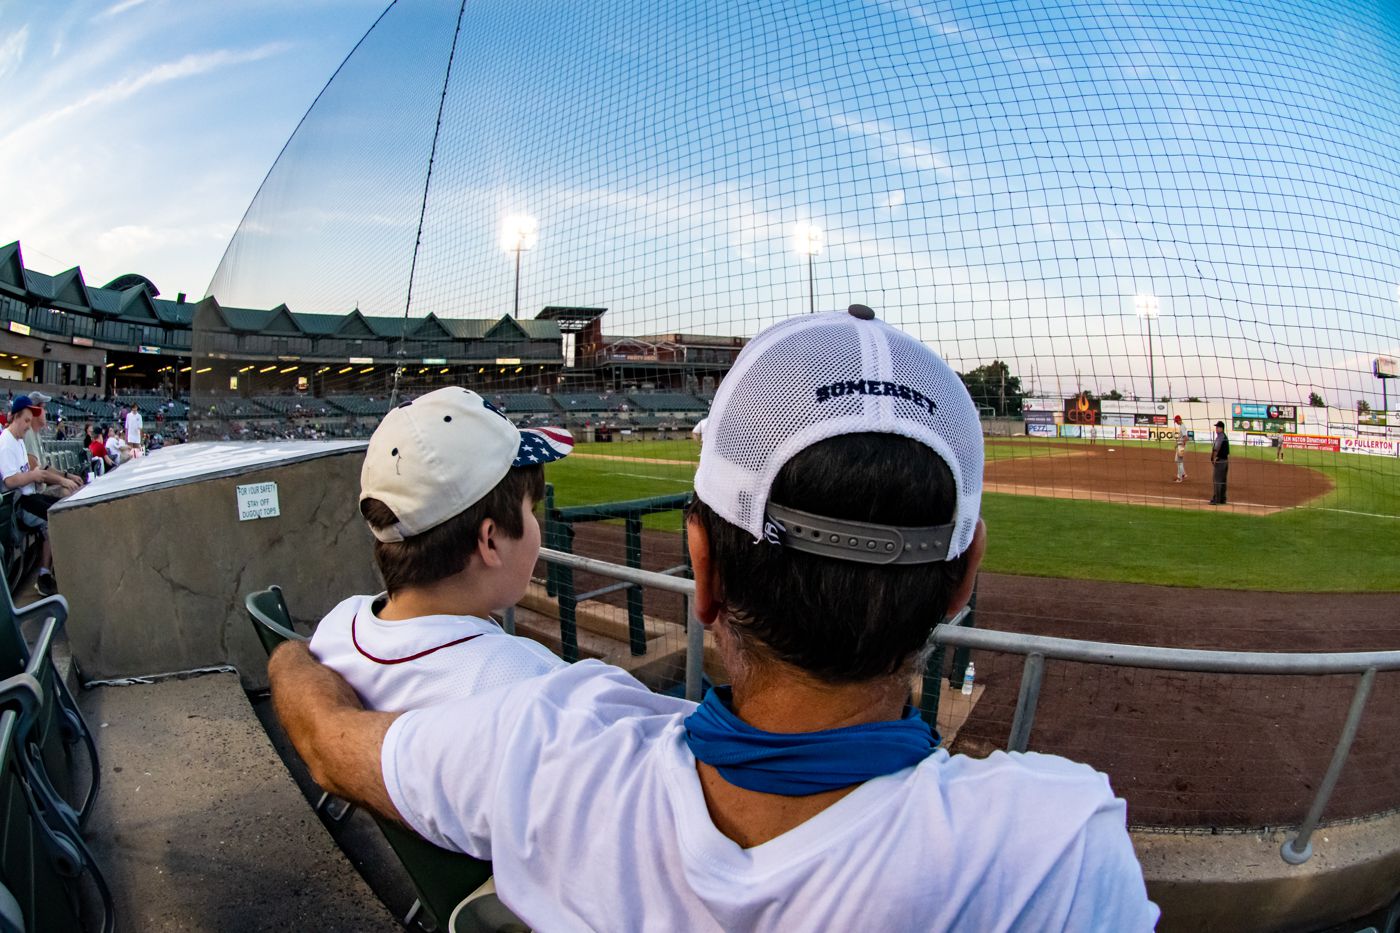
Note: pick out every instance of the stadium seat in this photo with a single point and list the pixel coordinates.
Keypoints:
(42, 852)
(440, 878)
(61, 727)
(18, 546)
(483, 912)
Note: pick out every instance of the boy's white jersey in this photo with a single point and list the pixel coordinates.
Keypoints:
(420, 662)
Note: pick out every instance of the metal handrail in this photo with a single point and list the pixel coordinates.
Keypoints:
(1173, 659)
(1038, 649)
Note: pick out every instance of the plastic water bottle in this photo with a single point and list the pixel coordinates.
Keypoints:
(968, 677)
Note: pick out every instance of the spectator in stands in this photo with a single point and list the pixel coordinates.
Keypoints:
(116, 447)
(134, 429)
(32, 507)
(34, 449)
(101, 461)
(809, 795)
(448, 488)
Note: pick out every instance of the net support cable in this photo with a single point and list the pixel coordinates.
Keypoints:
(423, 209)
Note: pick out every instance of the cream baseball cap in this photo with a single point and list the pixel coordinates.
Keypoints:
(436, 456)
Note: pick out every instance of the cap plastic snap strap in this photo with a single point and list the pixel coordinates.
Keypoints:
(862, 542)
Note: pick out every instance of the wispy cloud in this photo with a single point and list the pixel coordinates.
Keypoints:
(187, 67)
(12, 50)
(121, 6)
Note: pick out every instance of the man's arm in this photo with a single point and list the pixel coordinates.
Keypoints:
(332, 731)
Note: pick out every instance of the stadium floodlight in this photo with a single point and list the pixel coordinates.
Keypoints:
(1148, 308)
(518, 233)
(808, 240)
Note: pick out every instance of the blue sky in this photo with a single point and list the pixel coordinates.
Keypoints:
(1001, 178)
(133, 133)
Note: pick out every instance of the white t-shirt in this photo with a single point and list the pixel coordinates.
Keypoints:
(420, 662)
(133, 427)
(581, 790)
(14, 459)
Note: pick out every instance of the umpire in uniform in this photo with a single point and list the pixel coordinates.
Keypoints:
(1220, 463)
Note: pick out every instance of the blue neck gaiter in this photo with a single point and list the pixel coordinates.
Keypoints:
(802, 763)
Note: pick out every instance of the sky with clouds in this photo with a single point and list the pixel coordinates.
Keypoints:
(133, 133)
(1001, 178)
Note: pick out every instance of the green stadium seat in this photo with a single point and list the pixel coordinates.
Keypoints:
(61, 727)
(43, 856)
(441, 878)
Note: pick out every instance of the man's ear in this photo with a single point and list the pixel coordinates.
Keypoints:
(486, 543)
(975, 550)
(707, 590)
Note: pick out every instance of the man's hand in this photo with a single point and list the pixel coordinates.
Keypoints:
(332, 731)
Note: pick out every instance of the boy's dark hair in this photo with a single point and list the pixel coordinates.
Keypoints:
(442, 551)
(837, 620)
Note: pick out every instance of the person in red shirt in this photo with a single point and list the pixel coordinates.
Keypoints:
(98, 451)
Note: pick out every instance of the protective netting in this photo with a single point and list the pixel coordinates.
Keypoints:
(1103, 215)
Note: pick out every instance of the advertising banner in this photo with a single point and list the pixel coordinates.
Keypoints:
(1119, 418)
(1258, 440)
(1264, 410)
(1042, 404)
(1107, 432)
(1266, 425)
(1376, 446)
(1120, 407)
(1148, 418)
(1080, 409)
(1160, 432)
(1070, 430)
(1312, 442)
(1040, 429)
(1135, 433)
(1040, 416)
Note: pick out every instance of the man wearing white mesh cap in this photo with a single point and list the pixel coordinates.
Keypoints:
(835, 522)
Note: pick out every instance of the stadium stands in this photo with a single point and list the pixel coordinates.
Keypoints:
(673, 402)
(521, 403)
(359, 404)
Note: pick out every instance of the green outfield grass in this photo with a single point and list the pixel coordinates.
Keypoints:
(1346, 541)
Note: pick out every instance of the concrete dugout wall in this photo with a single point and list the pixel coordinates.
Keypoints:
(155, 562)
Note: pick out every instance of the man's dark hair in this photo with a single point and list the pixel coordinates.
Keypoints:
(444, 550)
(837, 620)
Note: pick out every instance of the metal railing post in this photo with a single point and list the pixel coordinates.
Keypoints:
(962, 655)
(1032, 673)
(933, 686)
(508, 621)
(694, 654)
(1298, 849)
(636, 623)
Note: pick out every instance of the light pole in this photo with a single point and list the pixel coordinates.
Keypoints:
(518, 233)
(1148, 308)
(807, 240)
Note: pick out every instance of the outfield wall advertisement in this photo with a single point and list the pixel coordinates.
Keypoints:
(1312, 442)
(1375, 446)
(1041, 429)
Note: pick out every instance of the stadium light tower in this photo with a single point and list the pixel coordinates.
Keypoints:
(808, 240)
(1148, 308)
(518, 234)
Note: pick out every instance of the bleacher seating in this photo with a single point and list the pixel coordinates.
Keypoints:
(359, 404)
(242, 408)
(296, 405)
(524, 402)
(588, 402)
(667, 401)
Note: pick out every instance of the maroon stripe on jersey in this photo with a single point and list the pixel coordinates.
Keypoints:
(412, 657)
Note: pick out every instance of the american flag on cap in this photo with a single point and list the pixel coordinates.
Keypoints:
(543, 445)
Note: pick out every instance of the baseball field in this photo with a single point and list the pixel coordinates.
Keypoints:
(1318, 522)
(1097, 542)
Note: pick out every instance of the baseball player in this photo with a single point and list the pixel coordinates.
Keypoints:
(448, 489)
(1180, 450)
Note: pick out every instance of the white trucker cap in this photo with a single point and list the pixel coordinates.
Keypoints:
(822, 375)
(434, 457)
